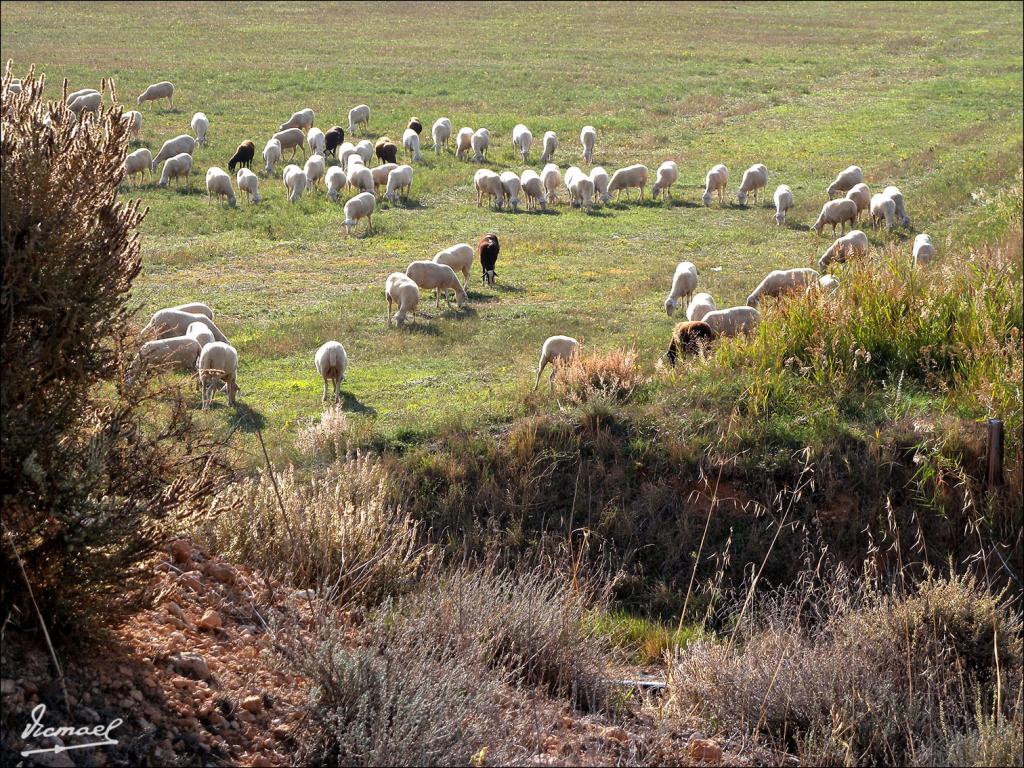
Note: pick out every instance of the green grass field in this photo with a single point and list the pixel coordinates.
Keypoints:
(925, 96)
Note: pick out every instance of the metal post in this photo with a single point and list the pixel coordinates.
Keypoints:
(995, 452)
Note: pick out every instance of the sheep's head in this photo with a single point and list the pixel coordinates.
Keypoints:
(543, 202)
(670, 306)
(349, 223)
(831, 190)
(752, 300)
(707, 197)
(741, 197)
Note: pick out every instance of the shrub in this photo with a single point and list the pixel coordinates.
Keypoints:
(613, 375)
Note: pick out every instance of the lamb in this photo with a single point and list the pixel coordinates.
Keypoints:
(399, 182)
(428, 274)
(314, 170)
(781, 281)
(219, 183)
(883, 208)
(783, 198)
(522, 139)
(336, 181)
(271, 155)
(488, 184)
(861, 195)
(487, 249)
(386, 150)
(415, 125)
(243, 156)
(89, 102)
(512, 186)
(411, 142)
(688, 338)
(480, 141)
(588, 137)
(360, 177)
(667, 175)
(551, 178)
(175, 167)
(534, 189)
(173, 321)
(176, 352)
(292, 138)
(359, 116)
(581, 190)
(218, 362)
(331, 363)
(157, 91)
(627, 178)
(303, 119)
(847, 179)
(133, 119)
(317, 141)
(684, 283)
(360, 207)
(175, 146)
(836, 212)
(139, 161)
(599, 176)
(196, 308)
(700, 305)
(294, 179)
(556, 350)
(400, 290)
(732, 321)
(459, 258)
(853, 244)
(380, 175)
(200, 126)
(365, 150)
(715, 183)
(755, 178)
(550, 145)
(441, 132)
(924, 250)
(333, 139)
(249, 183)
(463, 142)
(897, 197)
(202, 336)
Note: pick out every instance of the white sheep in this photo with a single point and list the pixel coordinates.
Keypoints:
(293, 139)
(200, 127)
(783, 198)
(441, 131)
(534, 190)
(411, 142)
(249, 183)
(360, 207)
(550, 145)
(175, 167)
(75, 94)
(157, 91)
(715, 183)
(331, 363)
(488, 184)
(196, 308)
(201, 334)
(314, 170)
(139, 161)
(782, 281)
(218, 361)
(551, 178)
(399, 182)
(171, 147)
(303, 119)
(732, 321)
(666, 175)
(588, 137)
(851, 245)
(627, 178)
(894, 194)
(512, 186)
(883, 208)
(336, 181)
(176, 352)
(294, 179)
(480, 141)
(271, 155)
(365, 150)
(755, 178)
(599, 176)
(428, 274)
(89, 102)
(828, 283)
(837, 213)
(380, 175)
(684, 283)
(317, 141)
(402, 291)
(359, 116)
(861, 195)
(133, 119)
(361, 178)
(699, 306)
(172, 321)
(924, 250)
(352, 160)
(463, 142)
(846, 180)
(556, 351)
(581, 191)
(219, 183)
(460, 258)
(345, 151)
(522, 140)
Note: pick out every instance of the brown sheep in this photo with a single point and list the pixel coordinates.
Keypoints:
(487, 250)
(687, 339)
(386, 150)
(243, 156)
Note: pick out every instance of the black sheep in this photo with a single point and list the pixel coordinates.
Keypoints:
(488, 251)
(416, 125)
(687, 339)
(334, 138)
(387, 152)
(243, 155)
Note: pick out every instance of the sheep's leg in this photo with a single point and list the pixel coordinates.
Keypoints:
(539, 372)
(324, 398)
(389, 310)
(337, 391)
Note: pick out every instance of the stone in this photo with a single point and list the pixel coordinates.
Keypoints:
(211, 620)
(221, 572)
(705, 750)
(7, 686)
(616, 733)
(181, 551)
(190, 581)
(253, 703)
(191, 664)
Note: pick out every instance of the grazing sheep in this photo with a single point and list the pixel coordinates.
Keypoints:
(512, 186)
(314, 170)
(89, 102)
(361, 178)
(847, 179)
(218, 361)
(201, 334)
(732, 321)
(133, 119)
(196, 308)
(335, 181)
(715, 183)
(581, 191)
(157, 91)
(699, 306)
(352, 160)
(894, 194)
(200, 127)
(219, 183)
(480, 141)
(861, 195)
(175, 146)
(303, 119)
(400, 290)
(243, 156)
(836, 212)
(317, 141)
(883, 208)
(852, 244)
(627, 178)
(459, 258)
(415, 125)
(428, 274)
(331, 363)
(175, 167)
(487, 249)
(534, 190)
(688, 338)
(556, 350)
(271, 155)
(173, 321)
(399, 182)
(550, 145)
(294, 179)
(588, 137)
(249, 183)
(333, 139)
(488, 184)
(360, 207)
(441, 131)
(783, 198)
(386, 150)
(345, 151)
(599, 176)
(359, 116)
(75, 94)
(825, 283)
(176, 353)
(924, 250)
(755, 178)
(782, 281)
(14, 86)
(365, 150)
(522, 139)
(551, 178)
(293, 139)
(463, 142)
(666, 176)
(411, 142)
(139, 161)
(380, 175)
(684, 283)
